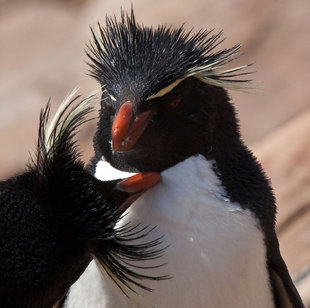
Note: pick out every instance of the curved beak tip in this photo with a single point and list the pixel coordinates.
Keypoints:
(125, 132)
(116, 138)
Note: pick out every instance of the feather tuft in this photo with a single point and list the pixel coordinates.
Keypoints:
(127, 54)
(56, 138)
(118, 258)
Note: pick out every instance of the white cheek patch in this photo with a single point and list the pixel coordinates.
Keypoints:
(105, 172)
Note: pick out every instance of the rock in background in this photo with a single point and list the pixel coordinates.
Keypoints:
(42, 55)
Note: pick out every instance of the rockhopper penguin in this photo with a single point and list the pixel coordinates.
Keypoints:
(56, 217)
(165, 108)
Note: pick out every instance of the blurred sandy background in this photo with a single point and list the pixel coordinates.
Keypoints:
(42, 55)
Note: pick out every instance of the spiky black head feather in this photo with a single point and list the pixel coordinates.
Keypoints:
(127, 55)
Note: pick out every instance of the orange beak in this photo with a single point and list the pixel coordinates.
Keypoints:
(139, 182)
(125, 132)
(136, 184)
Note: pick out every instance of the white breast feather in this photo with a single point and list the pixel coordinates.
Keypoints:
(216, 254)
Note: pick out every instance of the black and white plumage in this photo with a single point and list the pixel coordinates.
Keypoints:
(165, 108)
(56, 217)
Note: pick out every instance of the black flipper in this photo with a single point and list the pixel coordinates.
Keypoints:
(284, 290)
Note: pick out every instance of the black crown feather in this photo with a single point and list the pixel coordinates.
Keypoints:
(127, 54)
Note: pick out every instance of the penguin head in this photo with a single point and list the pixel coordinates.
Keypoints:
(164, 93)
(56, 217)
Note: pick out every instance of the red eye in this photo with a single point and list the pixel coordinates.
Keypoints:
(176, 102)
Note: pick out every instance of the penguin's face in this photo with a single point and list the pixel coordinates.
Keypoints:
(162, 130)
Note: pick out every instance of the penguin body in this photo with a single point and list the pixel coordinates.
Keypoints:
(207, 249)
(165, 108)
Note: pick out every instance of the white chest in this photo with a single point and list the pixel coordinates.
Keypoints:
(216, 253)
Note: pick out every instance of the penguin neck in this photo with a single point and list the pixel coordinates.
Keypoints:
(234, 164)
